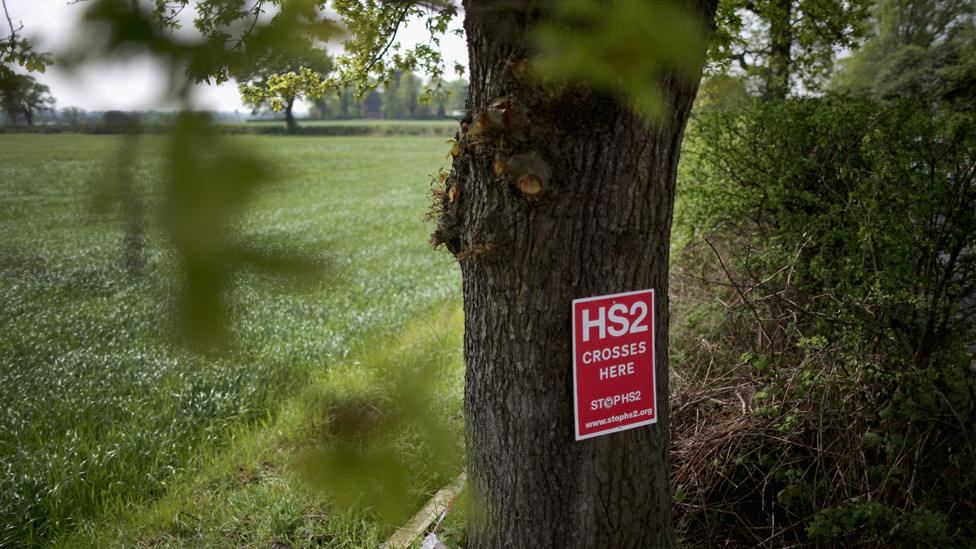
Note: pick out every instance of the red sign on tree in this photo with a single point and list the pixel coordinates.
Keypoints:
(614, 378)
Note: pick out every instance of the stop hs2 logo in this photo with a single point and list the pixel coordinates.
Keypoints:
(614, 374)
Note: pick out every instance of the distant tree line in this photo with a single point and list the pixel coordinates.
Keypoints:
(400, 99)
(25, 101)
(45, 114)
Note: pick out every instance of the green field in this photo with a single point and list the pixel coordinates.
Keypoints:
(109, 432)
(446, 122)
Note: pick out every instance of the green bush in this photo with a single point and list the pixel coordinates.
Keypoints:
(841, 236)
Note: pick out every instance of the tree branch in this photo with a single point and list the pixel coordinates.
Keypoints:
(256, 9)
(396, 28)
(13, 31)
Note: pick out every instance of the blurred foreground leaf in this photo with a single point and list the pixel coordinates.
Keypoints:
(625, 48)
(208, 186)
(390, 418)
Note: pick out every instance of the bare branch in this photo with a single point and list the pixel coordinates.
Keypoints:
(13, 31)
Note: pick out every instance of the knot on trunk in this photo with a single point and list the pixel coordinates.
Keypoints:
(504, 118)
(529, 172)
(530, 186)
(508, 115)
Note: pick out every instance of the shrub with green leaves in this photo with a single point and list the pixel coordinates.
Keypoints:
(840, 236)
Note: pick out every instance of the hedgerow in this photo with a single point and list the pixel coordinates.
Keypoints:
(823, 297)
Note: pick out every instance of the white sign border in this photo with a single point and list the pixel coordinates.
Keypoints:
(572, 313)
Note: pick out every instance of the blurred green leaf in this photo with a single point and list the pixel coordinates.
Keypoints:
(625, 48)
(381, 414)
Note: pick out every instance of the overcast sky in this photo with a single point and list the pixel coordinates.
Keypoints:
(138, 84)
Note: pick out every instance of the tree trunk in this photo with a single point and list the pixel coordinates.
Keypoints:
(596, 219)
(290, 122)
(777, 77)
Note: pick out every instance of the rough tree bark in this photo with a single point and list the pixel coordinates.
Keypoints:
(555, 195)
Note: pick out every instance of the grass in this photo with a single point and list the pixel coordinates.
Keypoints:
(99, 416)
(260, 491)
